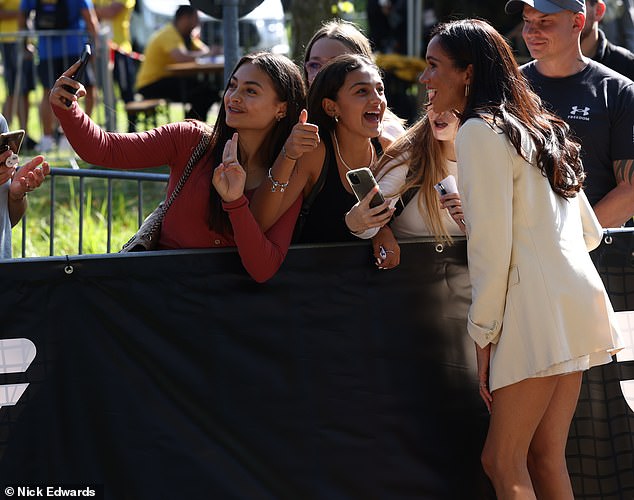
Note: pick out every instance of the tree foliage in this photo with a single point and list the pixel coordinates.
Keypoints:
(306, 17)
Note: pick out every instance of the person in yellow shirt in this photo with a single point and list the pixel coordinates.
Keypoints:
(116, 14)
(9, 11)
(174, 43)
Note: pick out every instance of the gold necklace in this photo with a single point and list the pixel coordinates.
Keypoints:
(334, 136)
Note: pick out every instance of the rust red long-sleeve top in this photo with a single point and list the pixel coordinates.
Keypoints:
(185, 224)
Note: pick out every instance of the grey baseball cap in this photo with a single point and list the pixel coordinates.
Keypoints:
(546, 6)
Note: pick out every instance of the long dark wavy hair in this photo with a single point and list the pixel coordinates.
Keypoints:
(498, 89)
(289, 86)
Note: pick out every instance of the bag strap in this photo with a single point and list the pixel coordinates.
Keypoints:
(197, 154)
(405, 198)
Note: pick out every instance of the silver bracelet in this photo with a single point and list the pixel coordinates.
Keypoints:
(277, 184)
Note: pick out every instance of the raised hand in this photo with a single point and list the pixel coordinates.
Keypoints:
(6, 172)
(29, 176)
(303, 138)
(59, 95)
(229, 177)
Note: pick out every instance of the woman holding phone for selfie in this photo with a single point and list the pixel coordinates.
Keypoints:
(261, 104)
(15, 183)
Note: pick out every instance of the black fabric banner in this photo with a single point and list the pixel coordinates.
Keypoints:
(174, 375)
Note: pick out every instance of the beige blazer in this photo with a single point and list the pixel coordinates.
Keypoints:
(536, 294)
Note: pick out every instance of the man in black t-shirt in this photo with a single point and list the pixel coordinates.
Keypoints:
(595, 45)
(597, 102)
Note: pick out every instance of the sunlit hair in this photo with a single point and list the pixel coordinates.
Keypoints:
(327, 84)
(498, 89)
(427, 165)
(342, 31)
(289, 86)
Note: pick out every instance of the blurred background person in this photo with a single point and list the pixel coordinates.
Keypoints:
(387, 25)
(16, 66)
(618, 23)
(116, 14)
(176, 43)
(57, 52)
(594, 43)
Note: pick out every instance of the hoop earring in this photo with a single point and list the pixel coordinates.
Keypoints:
(466, 90)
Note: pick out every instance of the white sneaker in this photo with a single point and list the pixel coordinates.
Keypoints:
(46, 144)
(64, 146)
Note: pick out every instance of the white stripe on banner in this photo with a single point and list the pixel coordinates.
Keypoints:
(626, 322)
(16, 355)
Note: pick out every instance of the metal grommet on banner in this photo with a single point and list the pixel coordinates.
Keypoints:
(440, 247)
(68, 268)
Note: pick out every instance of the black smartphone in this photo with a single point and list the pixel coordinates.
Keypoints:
(13, 141)
(362, 181)
(79, 74)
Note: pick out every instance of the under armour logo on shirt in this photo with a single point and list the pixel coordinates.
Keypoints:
(584, 111)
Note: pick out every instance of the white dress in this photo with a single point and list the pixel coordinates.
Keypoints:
(536, 295)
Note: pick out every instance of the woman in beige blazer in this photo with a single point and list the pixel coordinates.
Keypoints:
(539, 314)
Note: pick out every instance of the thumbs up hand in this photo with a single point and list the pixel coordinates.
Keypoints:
(303, 138)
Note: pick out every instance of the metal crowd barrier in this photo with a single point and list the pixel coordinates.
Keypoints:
(108, 176)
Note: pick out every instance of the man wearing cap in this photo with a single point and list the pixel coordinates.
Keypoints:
(597, 102)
